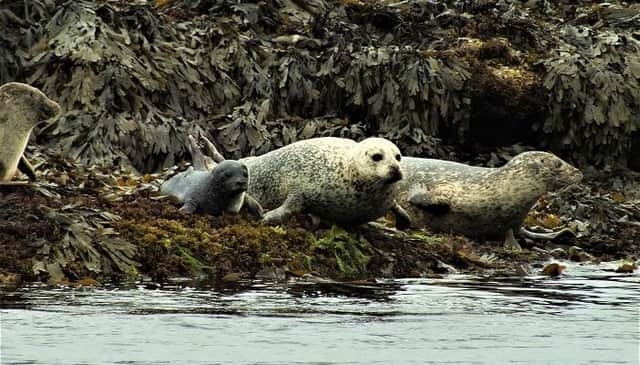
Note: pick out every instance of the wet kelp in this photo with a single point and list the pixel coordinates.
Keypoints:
(134, 78)
(79, 222)
(76, 223)
(593, 81)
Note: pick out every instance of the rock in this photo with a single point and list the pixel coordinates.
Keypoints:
(272, 274)
(231, 277)
(553, 269)
(577, 254)
(558, 253)
(627, 267)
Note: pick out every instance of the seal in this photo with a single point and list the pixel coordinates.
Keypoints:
(21, 108)
(221, 189)
(480, 202)
(333, 179)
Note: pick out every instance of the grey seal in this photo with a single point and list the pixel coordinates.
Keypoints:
(21, 108)
(221, 189)
(480, 202)
(337, 180)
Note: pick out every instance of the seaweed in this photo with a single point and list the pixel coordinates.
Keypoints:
(593, 91)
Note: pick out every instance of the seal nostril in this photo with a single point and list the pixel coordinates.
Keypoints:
(395, 174)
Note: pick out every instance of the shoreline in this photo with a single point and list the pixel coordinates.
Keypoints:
(77, 223)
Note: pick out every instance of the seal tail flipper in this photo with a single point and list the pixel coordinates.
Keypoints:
(25, 166)
(188, 207)
(213, 151)
(197, 157)
(430, 203)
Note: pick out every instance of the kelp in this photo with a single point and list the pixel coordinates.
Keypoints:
(593, 83)
(86, 238)
(135, 78)
(106, 223)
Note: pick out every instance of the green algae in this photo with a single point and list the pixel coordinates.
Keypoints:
(347, 249)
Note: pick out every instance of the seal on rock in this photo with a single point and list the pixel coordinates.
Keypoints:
(21, 108)
(481, 202)
(212, 192)
(333, 179)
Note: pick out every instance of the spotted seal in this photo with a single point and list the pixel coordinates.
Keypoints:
(480, 202)
(223, 188)
(21, 108)
(333, 179)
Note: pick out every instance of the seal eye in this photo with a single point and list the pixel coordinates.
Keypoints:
(398, 157)
(377, 157)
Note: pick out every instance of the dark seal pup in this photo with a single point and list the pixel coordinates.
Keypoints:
(480, 202)
(212, 192)
(333, 179)
(21, 108)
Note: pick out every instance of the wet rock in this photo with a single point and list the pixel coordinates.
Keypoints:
(88, 282)
(274, 274)
(627, 267)
(10, 279)
(444, 268)
(231, 277)
(578, 254)
(558, 253)
(553, 269)
(522, 270)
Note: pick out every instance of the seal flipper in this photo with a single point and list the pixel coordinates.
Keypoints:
(427, 202)
(291, 206)
(510, 242)
(25, 166)
(213, 151)
(189, 207)
(403, 219)
(198, 159)
(253, 206)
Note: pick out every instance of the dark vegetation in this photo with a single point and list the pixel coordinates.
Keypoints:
(470, 80)
(134, 78)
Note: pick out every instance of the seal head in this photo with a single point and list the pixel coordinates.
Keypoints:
(21, 108)
(230, 176)
(376, 161)
(546, 167)
(33, 105)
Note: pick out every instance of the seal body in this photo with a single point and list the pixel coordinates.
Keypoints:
(480, 202)
(213, 192)
(334, 179)
(21, 108)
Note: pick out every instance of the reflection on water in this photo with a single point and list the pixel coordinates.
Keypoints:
(590, 316)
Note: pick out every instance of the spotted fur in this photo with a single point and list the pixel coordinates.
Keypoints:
(477, 201)
(335, 179)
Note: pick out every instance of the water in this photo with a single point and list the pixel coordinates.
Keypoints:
(590, 316)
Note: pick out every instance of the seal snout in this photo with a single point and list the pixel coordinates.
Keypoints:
(395, 174)
(240, 185)
(572, 175)
(237, 183)
(49, 109)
